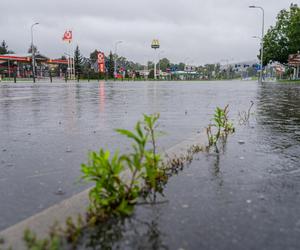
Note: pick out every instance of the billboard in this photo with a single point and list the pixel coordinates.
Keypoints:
(101, 62)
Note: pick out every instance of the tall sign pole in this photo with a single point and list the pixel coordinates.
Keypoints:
(115, 58)
(33, 52)
(67, 37)
(155, 45)
(101, 62)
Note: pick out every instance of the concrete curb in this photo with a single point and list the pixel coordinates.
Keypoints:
(75, 205)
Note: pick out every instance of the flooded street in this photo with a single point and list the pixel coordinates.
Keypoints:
(247, 195)
(46, 130)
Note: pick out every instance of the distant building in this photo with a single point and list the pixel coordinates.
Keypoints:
(143, 73)
(21, 65)
(274, 69)
(164, 75)
(185, 75)
(294, 61)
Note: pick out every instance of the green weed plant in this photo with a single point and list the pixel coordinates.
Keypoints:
(120, 179)
(244, 116)
(221, 126)
(33, 243)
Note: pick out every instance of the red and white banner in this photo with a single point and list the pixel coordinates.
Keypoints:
(68, 36)
(101, 62)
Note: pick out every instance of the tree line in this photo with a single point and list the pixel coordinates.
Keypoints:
(4, 48)
(87, 67)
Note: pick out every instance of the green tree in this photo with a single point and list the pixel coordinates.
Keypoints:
(217, 70)
(94, 55)
(85, 67)
(151, 74)
(283, 38)
(181, 66)
(92, 63)
(150, 65)
(251, 71)
(209, 70)
(164, 64)
(111, 65)
(78, 61)
(3, 48)
(294, 30)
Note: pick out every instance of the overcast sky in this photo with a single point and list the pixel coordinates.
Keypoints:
(192, 31)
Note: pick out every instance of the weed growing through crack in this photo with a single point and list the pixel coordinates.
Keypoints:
(220, 128)
(114, 193)
(177, 163)
(33, 243)
(110, 193)
(154, 175)
(244, 116)
(120, 180)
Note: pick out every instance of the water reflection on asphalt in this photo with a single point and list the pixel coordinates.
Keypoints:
(46, 131)
(245, 197)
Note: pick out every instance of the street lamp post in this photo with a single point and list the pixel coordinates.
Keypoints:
(161, 52)
(33, 52)
(188, 67)
(186, 61)
(115, 63)
(262, 40)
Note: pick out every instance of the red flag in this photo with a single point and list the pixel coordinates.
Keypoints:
(67, 36)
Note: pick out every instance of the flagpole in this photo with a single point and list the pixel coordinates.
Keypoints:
(70, 53)
(68, 70)
(68, 37)
(73, 62)
(70, 58)
(70, 63)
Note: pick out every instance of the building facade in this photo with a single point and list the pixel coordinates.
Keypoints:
(20, 65)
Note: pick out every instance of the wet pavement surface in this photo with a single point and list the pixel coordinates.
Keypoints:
(46, 130)
(246, 197)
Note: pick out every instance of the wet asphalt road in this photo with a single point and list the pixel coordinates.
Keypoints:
(47, 129)
(245, 197)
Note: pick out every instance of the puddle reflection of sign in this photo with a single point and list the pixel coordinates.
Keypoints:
(101, 62)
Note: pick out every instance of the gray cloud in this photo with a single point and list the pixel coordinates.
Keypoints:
(205, 31)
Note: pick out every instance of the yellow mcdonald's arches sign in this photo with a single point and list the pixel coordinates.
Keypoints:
(155, 44)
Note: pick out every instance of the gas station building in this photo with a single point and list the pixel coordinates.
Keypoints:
(20, 65)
